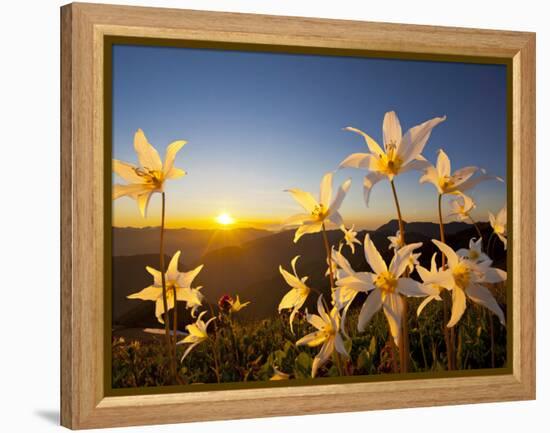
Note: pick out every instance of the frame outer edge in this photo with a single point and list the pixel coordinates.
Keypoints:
(527, 230)
(66, 88)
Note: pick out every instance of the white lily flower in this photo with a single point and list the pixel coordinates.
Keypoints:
(467, 279)
(395, 241)
(386, 284)
(193, 299)
(327, 334)
(461, 207)
(433, 281)
(297, 295)
(474, 252)
(349, 284)
(350, 237)
(401, 153)
(150, 175)
(318, 212)
(458, 182)
(198, 332)
(498, 224)
(180, 281)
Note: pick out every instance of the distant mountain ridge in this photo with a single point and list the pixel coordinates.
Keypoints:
(127, 241)
(428, 229)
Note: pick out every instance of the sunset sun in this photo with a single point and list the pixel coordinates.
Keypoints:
(225, 219)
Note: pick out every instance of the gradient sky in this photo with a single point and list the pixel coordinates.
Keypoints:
(258, 123)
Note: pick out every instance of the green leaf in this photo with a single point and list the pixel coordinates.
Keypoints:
(302, 366)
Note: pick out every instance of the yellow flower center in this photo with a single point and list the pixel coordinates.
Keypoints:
(473, 255)
(462, 275)
(445, 183)
(319, 212)
(390, 162)
(499, 229)
(386, 282)
(153, 177)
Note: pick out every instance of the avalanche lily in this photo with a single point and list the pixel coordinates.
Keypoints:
(466, 279)
(385, 285)
(350, 237)
(197, 334)
(296, 297)
(150, 175)
(432, 281)
(349, 284)
(395, 241)
(175, 280)
(327, 334)
(459, 181)
(318, 212)
(401, 153)
(498, 224)
(474, 252)
(461, 207)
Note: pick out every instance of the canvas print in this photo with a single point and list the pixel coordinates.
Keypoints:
(301, 218)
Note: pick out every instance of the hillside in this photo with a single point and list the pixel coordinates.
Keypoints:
(251, 269)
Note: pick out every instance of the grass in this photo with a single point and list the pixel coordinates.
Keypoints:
(249, 351)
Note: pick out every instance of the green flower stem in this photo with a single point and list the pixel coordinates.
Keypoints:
(329, 257)
(404, 351)
(449, 336)
(476, 226)
(338, 362)
(170, 351)
(175, 327)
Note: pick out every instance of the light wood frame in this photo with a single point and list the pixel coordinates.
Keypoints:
(83, 400)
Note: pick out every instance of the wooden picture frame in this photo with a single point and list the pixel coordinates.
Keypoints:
(84, 27)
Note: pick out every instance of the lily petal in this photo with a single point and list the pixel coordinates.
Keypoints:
(151, 293)
(393, 310)
(171, 151)
(482, 296)
(126, 171)
(373, 256)
(413, 142)
(391, 129)
(340, 195)
(143, 202)
(448, 251)
(369, 181)
(129, 190)
(369, 309)
(326, 189)
(304, 198)
(357, 160)
(148, 156)
(304, 229)
(443, 164)
(458, 308)
(409, 287)
(373, 146)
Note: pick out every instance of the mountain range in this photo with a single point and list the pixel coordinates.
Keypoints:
(247, 263)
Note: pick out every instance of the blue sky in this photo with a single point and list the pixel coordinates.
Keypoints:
(258, 123)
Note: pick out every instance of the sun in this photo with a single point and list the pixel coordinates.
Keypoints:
(225, 219)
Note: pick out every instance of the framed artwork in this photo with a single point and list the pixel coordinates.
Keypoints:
(269, 216)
